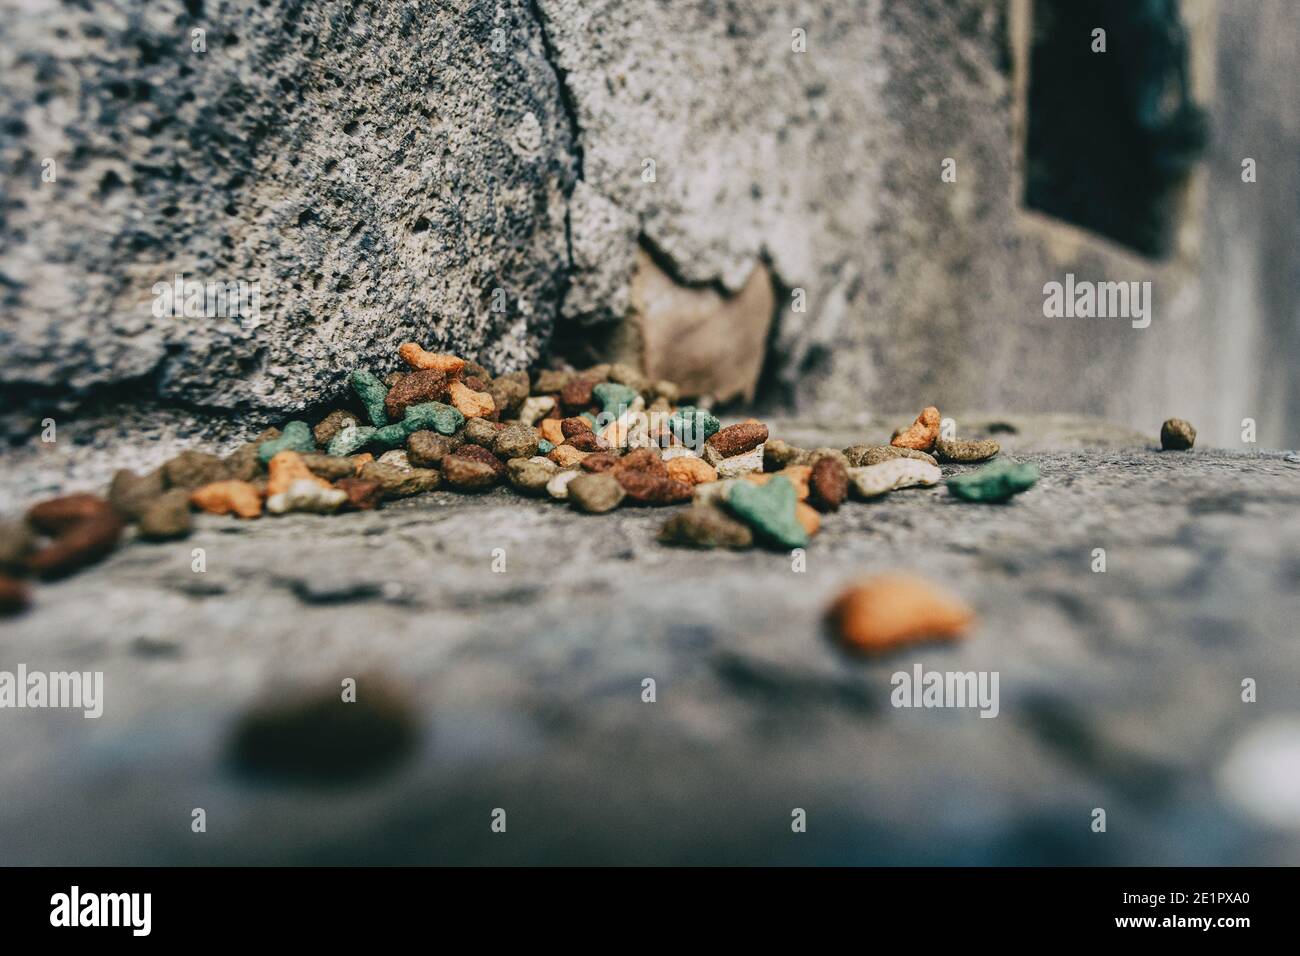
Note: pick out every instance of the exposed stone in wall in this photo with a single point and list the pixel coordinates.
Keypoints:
(379, 169)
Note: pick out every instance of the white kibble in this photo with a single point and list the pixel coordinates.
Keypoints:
(396, 458)
(558, 486)
(307, 495)
(745, 463)
(872, 481)
(535, 407)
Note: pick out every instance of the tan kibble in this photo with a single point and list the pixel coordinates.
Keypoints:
(285, 468)
(470, 403)
(894, 610)
(691, 471)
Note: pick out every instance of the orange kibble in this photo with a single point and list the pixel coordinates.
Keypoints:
(285, 468)
(893, 610)
(416, 357)
(552, 431)
(921, 434)
(224, 497)
(807, 516)
(361, 461)
(691, 471)
(566, 456)
(798, 475)
(470, 403)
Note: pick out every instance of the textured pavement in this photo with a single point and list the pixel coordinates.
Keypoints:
(1118, 690)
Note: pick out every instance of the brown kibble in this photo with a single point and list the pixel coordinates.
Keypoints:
(194, 469)
(482, 455)
(331, 425)
(363, 495)
(550, 382)
(738, 439)
(416, 357)
(573, 427)
(84, 528)
(647, 460)
(691, 471)
(598, 462)
(424, 385)
(466, 474)
(470, 403)
(57, 515)
(894, 610)
(168, 517)
(828, 484)
(15, 596)
(921, 434)
(329, 467)
(426, 449)
(576, 396)
(860, 456)
(131, 494)
(553, 431)
(588, 441)
(648, 488)
(285, 468)
(226, 497)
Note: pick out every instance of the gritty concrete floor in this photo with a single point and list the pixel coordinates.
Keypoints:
(1118, 690)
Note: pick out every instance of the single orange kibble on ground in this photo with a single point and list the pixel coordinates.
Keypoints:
(285, 468)
(922, 433)
(692, 471)
(416, 357)
(224, 497)
(552, 431)
(470, 403)
(893, 610)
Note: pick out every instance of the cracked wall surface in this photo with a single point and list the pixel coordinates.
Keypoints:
(383, 169)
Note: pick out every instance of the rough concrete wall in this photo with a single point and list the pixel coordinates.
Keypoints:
(381, 169)
(378, 168)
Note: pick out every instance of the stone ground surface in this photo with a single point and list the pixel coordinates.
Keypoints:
(1119, 690)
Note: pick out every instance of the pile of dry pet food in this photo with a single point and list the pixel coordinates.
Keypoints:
(597, 439)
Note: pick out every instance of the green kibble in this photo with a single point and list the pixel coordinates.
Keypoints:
(613, 397)
(693, 426)
(545, 447)
(350, 439)
(297, 436)
(391, 436)
(372, 393)
(432, 416)
(996, 482)
(770, 510)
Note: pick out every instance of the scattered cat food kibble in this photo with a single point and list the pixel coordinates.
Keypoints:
(470, 403)
(894, 610)
(993, 483)
(922, 433)
(965, 452)
(595, 493)
(1177, 435)
(769, 509)
(706, 526)
(167, 517)
(828, 484)
(872, 481)
(239, 498)
(861, 456)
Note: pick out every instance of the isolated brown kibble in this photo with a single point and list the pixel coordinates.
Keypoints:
(893, 610)
(922, 433)
(1177, 435)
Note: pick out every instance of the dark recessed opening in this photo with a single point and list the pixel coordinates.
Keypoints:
(1111, 135)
